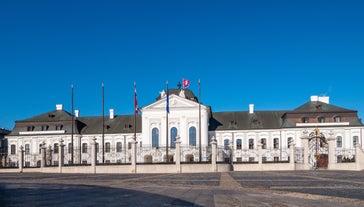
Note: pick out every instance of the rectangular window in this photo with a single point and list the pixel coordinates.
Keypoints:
(355, 140)
(70, 148)
(107, 147)
(129, 145)
(118, 147)
(13, 149)
(84, 148)
(275, 143)
(55, 148)
(251, 143)
(264, 143)
(339, 142)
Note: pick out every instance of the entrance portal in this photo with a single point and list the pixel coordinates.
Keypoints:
(318, 150)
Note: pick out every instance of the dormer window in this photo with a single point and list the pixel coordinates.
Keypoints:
(305, 120)
(45, 128)
(337, 119)
(321, 119)
(30, 128)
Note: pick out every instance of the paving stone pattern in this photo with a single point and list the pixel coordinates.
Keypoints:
(293, 188)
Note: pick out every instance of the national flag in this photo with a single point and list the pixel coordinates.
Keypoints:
(167, 99)
(135, 100)
(186, 83)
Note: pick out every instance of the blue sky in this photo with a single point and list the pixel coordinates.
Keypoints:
(275, 54)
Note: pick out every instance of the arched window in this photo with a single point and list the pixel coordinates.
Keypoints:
(238, 144)
(155, 137)
(27, 149)
(107, 147)
(339, 141)
(275, 143)
(192, 136)
(264, 143)
(173, 137)
(226, 144)
(84, 148)
(251, 143)
(119, 147)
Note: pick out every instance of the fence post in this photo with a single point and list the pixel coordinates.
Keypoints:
(291, 154)
(331, 149)
(93, 155)
(178, 153)
(42, 156)
(359, 157)
(260, 155)
(213, 154)
(305, 140)
(133, 155)
(61, 155)
(21, 158)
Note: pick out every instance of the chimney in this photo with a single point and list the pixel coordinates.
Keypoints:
(77, 113)
(251, 108)
(111, 113)
(59, 107)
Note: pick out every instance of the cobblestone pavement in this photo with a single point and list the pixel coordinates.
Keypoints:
(294, 188)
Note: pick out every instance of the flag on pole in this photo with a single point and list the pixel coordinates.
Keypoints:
(135, 100)
(186, 83)
(167, 98)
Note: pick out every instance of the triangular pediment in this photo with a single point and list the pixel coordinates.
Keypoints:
(175, 102)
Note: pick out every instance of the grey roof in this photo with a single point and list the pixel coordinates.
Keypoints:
(83, 125)
(188, 94)
(318, 106)
(119, 124)
(52, 116)
(243, 120)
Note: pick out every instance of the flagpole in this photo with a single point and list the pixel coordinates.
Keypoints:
(103, 124)
(135, 109)
(73, 118)
(167, 111)
(199, 120)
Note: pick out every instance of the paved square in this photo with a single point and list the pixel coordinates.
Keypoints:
(293, 188)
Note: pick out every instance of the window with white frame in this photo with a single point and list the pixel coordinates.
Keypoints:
(339, 141)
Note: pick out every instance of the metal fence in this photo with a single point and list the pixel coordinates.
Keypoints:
(344, 155)
(298, 155)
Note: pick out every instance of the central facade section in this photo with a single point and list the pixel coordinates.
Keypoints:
(180, 115)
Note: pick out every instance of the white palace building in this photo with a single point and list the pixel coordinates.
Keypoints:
(191, 136)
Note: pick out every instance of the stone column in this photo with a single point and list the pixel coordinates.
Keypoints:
(60, 155)
(21, 158)
(93, 155)
(133, 155)
(359, 157)
(304, 140)
(260, 153)
(213, 154)
(331, 149)
(43, 156)
(178, 153)
(291, 154)
(231, 146)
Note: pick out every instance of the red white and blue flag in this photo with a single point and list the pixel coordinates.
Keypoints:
(186, 83)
